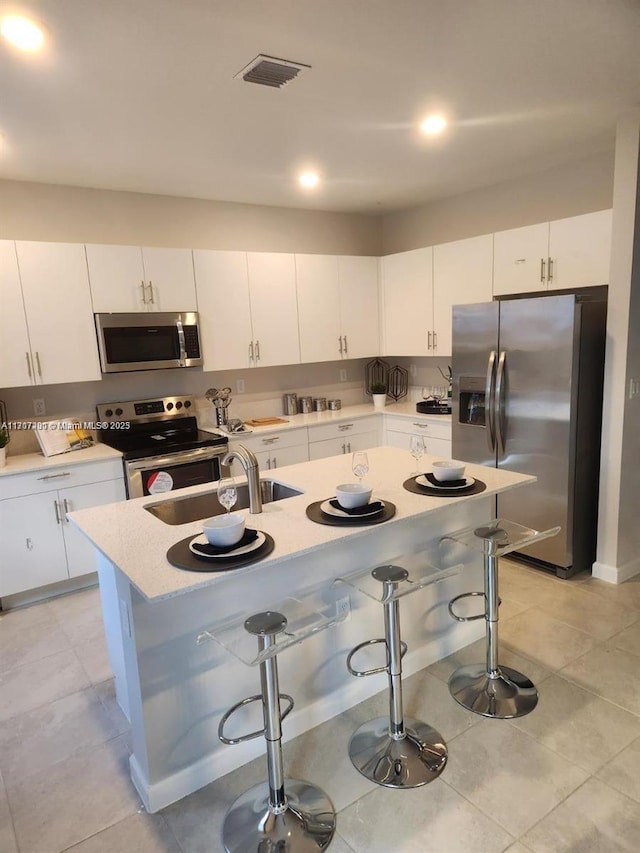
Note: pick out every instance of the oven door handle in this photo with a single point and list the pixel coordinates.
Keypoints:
(181, 457)
(181, 343)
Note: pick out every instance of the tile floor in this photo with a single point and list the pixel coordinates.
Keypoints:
(565, 779)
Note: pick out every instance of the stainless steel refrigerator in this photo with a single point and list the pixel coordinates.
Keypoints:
(527, 397)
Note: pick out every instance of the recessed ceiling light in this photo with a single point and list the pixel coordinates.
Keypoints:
(309, 180)
(433, 125)
(22, 33)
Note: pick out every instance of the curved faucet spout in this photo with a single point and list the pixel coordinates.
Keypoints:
(247, 459)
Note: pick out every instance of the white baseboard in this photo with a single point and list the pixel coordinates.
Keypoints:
(616, 574)
(158, 795)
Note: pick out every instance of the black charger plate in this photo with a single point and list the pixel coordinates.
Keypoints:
(181, 557)
(316, 514)
(411, 486)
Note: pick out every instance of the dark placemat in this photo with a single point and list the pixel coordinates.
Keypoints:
(411, 486)
(315, 514)
(181, 557)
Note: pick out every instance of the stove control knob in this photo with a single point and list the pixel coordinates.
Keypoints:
(118, 412)
(108, 412)
(178, 405)
(187, 404)
(169, 406)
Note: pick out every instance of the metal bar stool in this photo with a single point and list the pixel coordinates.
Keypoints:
(286, 814)
(489, 689)
(395, 751)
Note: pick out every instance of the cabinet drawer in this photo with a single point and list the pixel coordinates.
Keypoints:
(60, 477)
(273, 440)
(439, 447)
(344, 445)
(427, 427)
(343, 428)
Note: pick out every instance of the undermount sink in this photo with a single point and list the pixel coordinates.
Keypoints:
(205, 505)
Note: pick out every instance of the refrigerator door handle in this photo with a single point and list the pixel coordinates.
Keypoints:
(489, 394)
(500, 402)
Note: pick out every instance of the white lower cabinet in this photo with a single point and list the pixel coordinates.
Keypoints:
(280, 456)
(38, 545)
(436, 434)
(343, 438)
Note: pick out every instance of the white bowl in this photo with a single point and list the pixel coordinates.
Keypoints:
(351, 495)
(223, 530)
(448, 469)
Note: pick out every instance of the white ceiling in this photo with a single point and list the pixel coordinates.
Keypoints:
(140, 95)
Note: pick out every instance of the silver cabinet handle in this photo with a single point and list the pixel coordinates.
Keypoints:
(28, 365)
(257, 350)
(268, 463)
(57, 511)
(340, 344)
(55, 476)
(346, 346)
(549, 269)
(422, 426)
(29, 544)
(428, 340)
(489, 396)
(348, 447)
(144, 293)
(541, 269)
(344, 447)
(344, 427)
(271, 440)
(275, 462)
(150, 286)
(251, 358)
(38, 364)
(435, 340)
(67, 509)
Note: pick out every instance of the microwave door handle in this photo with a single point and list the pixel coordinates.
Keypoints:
(181, 343)
(489, 393)
(500, 402)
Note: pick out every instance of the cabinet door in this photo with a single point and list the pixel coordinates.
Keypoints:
(279, 457)
(318, 290)
(462, 274)
(57, 300)
(81, 554)
(117, 279)
(222, 285)
(31, 543)
(580, 250)
(519, 259)
(407, 302)
(359, 310)
(329, 447)
(15, 356)
(274, 308)
(169, 279)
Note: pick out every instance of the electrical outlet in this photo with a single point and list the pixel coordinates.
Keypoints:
(343, 608)
(240, 386)
(39, 407)
(343, 375)
(413, 370)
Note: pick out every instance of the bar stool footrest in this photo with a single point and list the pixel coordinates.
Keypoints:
(251, 735)
(362, 673)
(503, 695)
(455, 616)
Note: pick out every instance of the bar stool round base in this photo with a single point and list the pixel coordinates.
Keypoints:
(415, 760)
(306, 826)
(509, 695)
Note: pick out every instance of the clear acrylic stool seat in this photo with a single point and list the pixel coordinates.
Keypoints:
(489, 689)
(285, 814)
(395, 751)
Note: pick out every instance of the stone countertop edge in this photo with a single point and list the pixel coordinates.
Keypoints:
(136, 541)
(25, 462)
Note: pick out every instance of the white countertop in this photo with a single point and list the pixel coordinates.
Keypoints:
(136, 541)
(25, 462)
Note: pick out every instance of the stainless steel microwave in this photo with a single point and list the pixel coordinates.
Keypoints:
(148, 341)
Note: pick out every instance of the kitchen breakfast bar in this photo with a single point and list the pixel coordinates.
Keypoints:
(174, 688)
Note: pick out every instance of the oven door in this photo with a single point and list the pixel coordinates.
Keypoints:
(158, 474)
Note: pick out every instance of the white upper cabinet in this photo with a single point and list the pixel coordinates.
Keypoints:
(128, 278)
(462, 274)
(565, 253)
(59, 315)
(222, 282)
(407, 302)
(15, 350)
(337, 307)
(274, 308)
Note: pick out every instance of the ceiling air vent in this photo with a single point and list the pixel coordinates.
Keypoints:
(269, 71)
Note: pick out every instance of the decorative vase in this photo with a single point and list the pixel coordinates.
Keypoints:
(3, 456)
(379, 401)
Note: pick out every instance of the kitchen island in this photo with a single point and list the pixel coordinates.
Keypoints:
(174, 691)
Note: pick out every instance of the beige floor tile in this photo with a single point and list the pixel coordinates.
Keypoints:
(83, 625)
(64, 606)
(594, 819)
(93, 657)
(37, 739)
(74, 799)
(524, 584)
(8, 843)
(517, 848)
(34, 614)
(475, 653)
(509, 776)
(588, 612)
(140, 833)
(339, 845)
(609, 672)
(107, 693)
(35, 684)
(623, 772)
(627, 594)
(629, 639)
(541, 638)
(431, 819)
(26, 643)
(582, 727)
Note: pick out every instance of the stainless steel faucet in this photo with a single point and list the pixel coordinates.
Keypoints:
(247, 459)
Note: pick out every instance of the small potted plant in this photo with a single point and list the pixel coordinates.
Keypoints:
(379, 394)
(4, 440)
